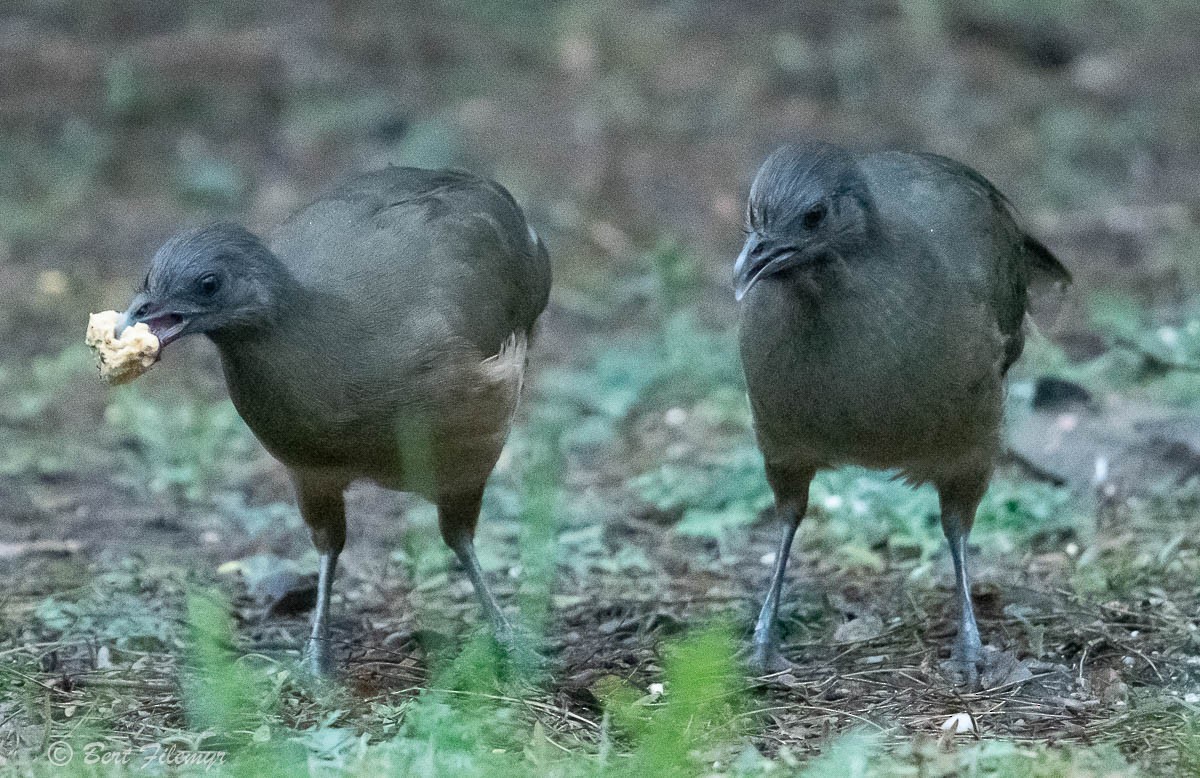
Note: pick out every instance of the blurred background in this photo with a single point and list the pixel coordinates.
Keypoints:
(618, 125)
(629, 131)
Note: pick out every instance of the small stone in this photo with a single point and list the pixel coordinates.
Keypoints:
(675, 417)
(52, 283)
(959, 724)
(864, 627)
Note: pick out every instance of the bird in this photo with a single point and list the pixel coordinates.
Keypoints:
(881, 301)
(380, 333)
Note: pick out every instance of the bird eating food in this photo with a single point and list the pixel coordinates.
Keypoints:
(380, 334)
(882, 298)
(120, 359)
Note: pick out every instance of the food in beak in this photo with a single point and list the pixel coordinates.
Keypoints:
(125, 358)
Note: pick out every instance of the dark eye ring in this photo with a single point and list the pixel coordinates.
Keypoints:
(813, 216)
(208, 284)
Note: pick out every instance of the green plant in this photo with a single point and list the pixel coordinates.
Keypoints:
(181, 450)
(714, 496)
(34, 388)
(678, 275)
(698, 716)
(222, 695)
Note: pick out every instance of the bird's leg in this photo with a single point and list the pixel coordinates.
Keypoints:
(457, 517)
(317, 652)
(764, 649)
(324, 510)
(968, 650)
(958, 515)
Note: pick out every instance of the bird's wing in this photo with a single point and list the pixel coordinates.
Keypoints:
(1040, 261)
(405, 243)
(990, 253)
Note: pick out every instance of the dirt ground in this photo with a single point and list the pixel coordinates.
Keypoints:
(623, 129)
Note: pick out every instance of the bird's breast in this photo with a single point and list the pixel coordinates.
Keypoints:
(296, 407)
(867, 382)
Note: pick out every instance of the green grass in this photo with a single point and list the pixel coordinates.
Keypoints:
(472, 721)
(660, 414)
(1149, 358)
(465, 724)
(38, 416)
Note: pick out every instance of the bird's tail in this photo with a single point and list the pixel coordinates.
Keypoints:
(1043, 265)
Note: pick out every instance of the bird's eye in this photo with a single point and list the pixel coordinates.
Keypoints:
(813, 217)
(208, 285)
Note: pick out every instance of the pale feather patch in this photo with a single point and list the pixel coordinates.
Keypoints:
(507, 367)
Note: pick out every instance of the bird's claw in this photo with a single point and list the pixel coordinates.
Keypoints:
(963, 671)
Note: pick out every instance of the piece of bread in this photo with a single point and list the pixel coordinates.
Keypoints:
(125, 358)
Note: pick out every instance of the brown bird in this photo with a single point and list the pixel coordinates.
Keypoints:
(882, 301)
(379, 334)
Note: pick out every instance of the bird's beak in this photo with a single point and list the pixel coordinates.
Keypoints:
(166, 325)
(760, 257)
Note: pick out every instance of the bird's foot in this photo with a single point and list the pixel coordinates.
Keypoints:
(1001, 668)
(518, 647)
(988, 668)
(765, 659)
(963, 670)
(318, 659)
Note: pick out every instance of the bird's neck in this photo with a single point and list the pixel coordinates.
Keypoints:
(271, 368)
(297, 317)
(285, 303)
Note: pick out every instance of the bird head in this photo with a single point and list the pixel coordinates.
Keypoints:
(211, 279)
(808, 202)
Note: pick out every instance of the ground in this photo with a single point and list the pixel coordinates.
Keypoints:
(628, 526)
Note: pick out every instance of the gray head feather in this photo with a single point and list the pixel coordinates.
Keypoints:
(221, 275)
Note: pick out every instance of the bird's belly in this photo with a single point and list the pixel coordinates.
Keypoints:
(879, 419)
(414, 441)
(899, 370)
(305, 439)
(410, 457)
